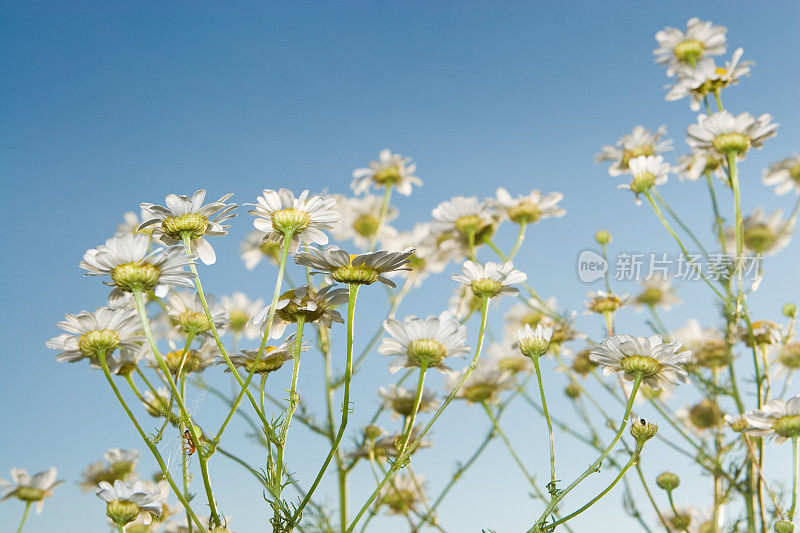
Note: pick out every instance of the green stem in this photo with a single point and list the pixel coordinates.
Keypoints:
(148, 443)
(718, 99)
(24, 516)
(411, 419)
(184, 455)
(387, 196)
(510, 448)
(680, 223)
(552, 485)
(678, 516)
(796, 450)
(351, 306)
(520, 237)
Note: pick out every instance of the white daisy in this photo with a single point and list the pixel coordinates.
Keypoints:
(505, 356)
(660, 363)
(701, 417)
(527, 208)
(124, 502)
(254, 248)
(271, 359)
(360, 220)
(602, 302)
(765, 333)
(186, 313)
(639, 142)
(119, 464)
(389, 170)
(184, 216)
(387, 446)
(785, 175)
(131, 265)
(192, 361)
(777, 419)
(724, 133)
(460, 219)
(131, 223)
(680, 50)
(278, 212)
(484, 385)
(657, 291)
(491, 279)
(363, 269)
(534, 342)
(427, 257)
(31, 489)
(647, 171)
(313, 306)
(694, 165)
(761, 234)
(416, 341)
(401, 400)
(708, 78)
(157, 405)
(240, 310)
(403, 495)
(707, 345)
(88, 333)
(788, 359)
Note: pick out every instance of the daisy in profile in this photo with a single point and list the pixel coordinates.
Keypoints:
(131, 266)
(185, 217)
(186, 313)
(707, 79)
(386, 446)
(416, 342)
(647, 171)
(403, 494)
(660, 363)
(484, 385)
(696, 164)
(426, 259)
(272, 358)
(462, 223)
(240, 310)
(107, 330)
(776, 419)
(765, 333)
(256, 248)
(389, 170)
(186, 362)
(724, 133)
(505, 356)
(784, 175)
(124, 502)
(491, 279)
(708, 346)
(637, 143)
(361, 269)
(761, 234)
(118, 464)
(681, 50)
(31, 489)
(657, 291)
(788, 359)
(400, 400)
(306, 303)
(701, 417)
(691, 519)
(131, 222)
(279, 213)
(602, 302)
(360, 218)
(527, 208)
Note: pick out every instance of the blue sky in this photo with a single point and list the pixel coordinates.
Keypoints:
(105, 105)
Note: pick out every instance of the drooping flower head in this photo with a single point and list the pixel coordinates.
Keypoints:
(118, 464)
(761, 234)
(427, 342)
(240, 310)
(527, 208)
(660, 363)
(271, 360)
(681, 50)
(279, 213)
(777, 419)
(785, 175)
(389, 170)
(724, 133)
(30, 489)
(312, 305)
(107, 330)
(124, 502)
(186, 313)
(401, 401)
(708, 78)
(188, 217)
(637, 143)
(361, 269)
(404, 494)
(657, 291)
(462, 221)
(131, 266)
(491, 279)
(360, 218)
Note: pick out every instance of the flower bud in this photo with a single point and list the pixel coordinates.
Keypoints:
(534, 342)
(572, 391)
(790, 310)
(668, 481)
(602, 237)
(783, 526)
(372, 432)
(642, 430)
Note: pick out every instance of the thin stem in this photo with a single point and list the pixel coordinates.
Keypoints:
(680, 521)
(24, 516)
(387, 196)
(680, 223)
(412, 418)
(505, 440)
(520, 237)
(351, 305)
(796, 450)
(552, 485)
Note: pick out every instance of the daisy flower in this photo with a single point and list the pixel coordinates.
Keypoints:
(484, 385)
(157, 405)
(491, 279)
(390, 170)
(637, 143)
(240, 310)
(416, 341)
(647, 171)
(761, 234)
(534, 342)
(131, 223)
(271, 359)
(690, 519)
(387, 446)
(312, 306)
(602, 302)
(401, 400)
(694, 165)
(186, 313)
(724, 133)
(785, 175)
(657, 291)
(463, 302)
(279, 212)
(765, 333)
(191, 360)
(130, 264)
(777, 419)
(362, 269)
(31, 489)
(184, 216)
(124, 502)
(404, 494)
(708, 78)
(119, 464)
(462, 221)
(360, 220)
(788, 358)
(505, 356)
(527, 208)
(256, 247)
(708, 346)
(426, 259)
(106, 330)
(701, 417)
(680, 50)
(660, 363)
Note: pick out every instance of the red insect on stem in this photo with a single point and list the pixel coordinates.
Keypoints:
(189, 446)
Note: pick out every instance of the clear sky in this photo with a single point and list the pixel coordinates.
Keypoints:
(104, 105)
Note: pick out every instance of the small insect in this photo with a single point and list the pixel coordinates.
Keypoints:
(188, 444)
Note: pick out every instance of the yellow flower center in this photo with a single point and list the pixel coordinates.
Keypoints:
(643, 181)
(480, 392)
(239, 320)
(30, 494)
(645, 149)
(525, 211)
(605, 304)
(361, 275)
(191, 364)
(122, 511)
(486, 287)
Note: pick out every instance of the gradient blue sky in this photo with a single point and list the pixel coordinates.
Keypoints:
(105, 105)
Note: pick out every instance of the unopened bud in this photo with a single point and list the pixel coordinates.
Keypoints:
(602, 237)
(668, 481)
(790, 310)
